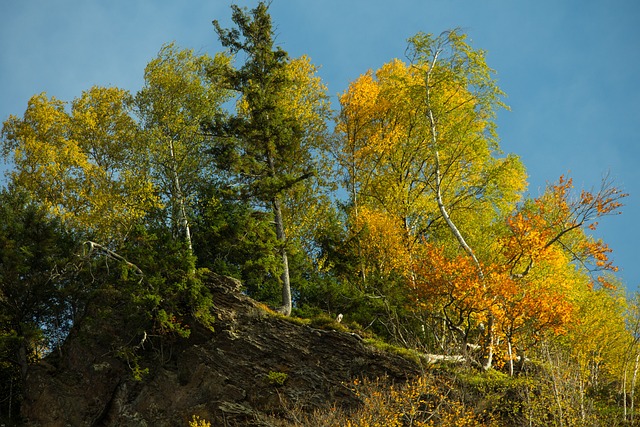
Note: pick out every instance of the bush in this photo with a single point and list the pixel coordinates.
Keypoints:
(426, 401)
(196, 421)
(277, 378)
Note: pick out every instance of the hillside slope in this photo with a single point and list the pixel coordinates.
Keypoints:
(222, 376)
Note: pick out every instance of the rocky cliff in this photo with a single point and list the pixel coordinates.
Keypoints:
(245, 372)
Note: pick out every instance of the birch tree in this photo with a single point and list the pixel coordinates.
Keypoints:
(418, 145)
(396, 156)
(178, 97)
(460, 103)
(84, 166)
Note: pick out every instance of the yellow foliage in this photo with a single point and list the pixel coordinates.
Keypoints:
(306, 96)
(599, 339)
(196, 421)
(387, 153)
(82, 165)
(383, 241)
(422, 402)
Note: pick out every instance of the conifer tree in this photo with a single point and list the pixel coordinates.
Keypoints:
(268, 148)
(34, 250)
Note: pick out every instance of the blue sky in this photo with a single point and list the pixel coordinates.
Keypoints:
(571, 68)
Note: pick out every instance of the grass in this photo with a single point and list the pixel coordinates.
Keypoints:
(409, 354)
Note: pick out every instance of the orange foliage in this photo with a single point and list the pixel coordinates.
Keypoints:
(533, 260)
(557, 219)
(441, 276)
(532, 307)
(539, 266)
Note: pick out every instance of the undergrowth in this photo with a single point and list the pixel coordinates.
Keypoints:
(447, 395)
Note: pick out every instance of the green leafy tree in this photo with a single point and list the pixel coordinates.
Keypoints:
(35, 252)
(268, 145)
(234, 239)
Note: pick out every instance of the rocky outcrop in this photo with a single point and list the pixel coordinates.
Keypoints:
(239, 374)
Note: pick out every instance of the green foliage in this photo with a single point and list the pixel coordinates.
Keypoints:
(174, 291)
(434, 248)
(177, 98)
(36, 305)
(407, 353)
(276, 379)
(269, 145)
(233, 239)
(324, 321)
(35, 252)
(129, 355)
(11, 385)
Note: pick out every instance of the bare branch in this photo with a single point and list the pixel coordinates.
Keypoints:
(96, 247)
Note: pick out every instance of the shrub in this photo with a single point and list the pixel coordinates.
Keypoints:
(196, 421)
(276, 378)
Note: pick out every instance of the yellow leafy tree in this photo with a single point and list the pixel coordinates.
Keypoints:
(305, 207)
(83, 165)
(599, 338)
(383, 242)
(388, 155)
(417, 142)
(180, 95)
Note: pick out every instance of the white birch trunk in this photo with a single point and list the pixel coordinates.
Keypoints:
(286, 283)
(488, 357)
(633, 387)
(624, 392)
(184, 220)
(556, 392)
(510, 350)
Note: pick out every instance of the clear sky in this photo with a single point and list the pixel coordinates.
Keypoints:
(570, 68)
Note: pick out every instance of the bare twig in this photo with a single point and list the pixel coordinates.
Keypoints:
(96, 247)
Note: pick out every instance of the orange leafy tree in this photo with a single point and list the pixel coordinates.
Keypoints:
(543, 259)
(557, 218)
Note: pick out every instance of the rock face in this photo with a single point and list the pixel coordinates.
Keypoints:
(230, 376)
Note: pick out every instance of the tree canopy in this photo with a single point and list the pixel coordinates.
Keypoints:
(398, 210)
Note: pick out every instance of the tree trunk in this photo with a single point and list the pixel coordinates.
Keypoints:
(487, 359)
(583, 413)
(180, 199)
(23, 360)
(286, 284)
(276, 205)
(624, 392)
(445, 214)
(510, 350)
(633, 387)
(10, 395)
(522, 359)
(354, 200)
(556, 391)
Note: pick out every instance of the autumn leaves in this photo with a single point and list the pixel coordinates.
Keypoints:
(433, 200)
(434, 212)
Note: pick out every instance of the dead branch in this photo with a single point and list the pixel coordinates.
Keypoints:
(98, 248)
